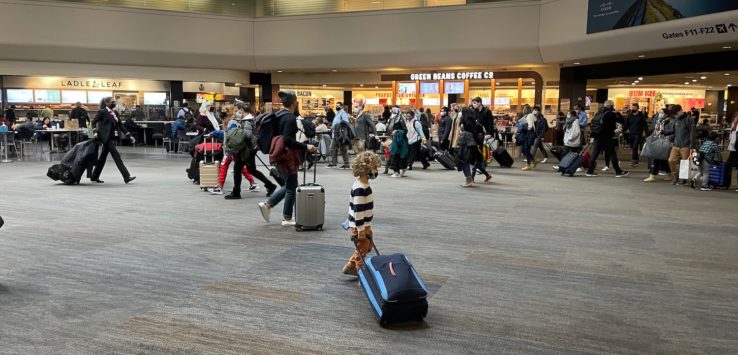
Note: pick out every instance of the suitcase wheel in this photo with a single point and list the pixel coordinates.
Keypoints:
(383, 323)
(298, 228)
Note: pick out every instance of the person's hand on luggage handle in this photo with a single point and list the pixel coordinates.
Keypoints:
(311, 148)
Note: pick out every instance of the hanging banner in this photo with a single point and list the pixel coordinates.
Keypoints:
(606, 15)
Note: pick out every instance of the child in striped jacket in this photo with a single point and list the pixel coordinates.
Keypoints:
(361, 208)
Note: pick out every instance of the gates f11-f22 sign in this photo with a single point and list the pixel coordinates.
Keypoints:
(606, 15)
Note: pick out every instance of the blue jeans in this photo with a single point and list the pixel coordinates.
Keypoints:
(635, 145)
(286, 193)
(527, 146)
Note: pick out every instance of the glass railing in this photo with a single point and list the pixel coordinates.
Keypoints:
(268, 8)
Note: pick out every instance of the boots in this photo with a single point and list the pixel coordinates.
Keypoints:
(469, 182)
(650, 178)
(527, 167)
(535, 163)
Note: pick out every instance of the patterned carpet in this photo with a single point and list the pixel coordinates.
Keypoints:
(533, 263)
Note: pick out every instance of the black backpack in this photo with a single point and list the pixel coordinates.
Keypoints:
(597, 123)
(345, 133)
(265, 125)
(308, 128)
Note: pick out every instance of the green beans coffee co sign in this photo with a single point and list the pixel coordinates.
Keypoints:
(606, 15)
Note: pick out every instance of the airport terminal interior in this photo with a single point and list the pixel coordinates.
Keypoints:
(363, 177)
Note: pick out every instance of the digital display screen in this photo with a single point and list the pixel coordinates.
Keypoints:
(94, 97)
(155, 98)
(429, 88)
(431, 101)
(44, 96)
(73, 96)
(20, 95)
(406, 88)
(454, 87)
(502, 100)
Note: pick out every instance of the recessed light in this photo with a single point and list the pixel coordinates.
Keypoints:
(640, 78)
(362, 85)
(334, 70)
(729, 85)
(376, 87)
(694, 80)
(686, 83)
(642, 56)
(703, 77)
(637, 81)
(375, 2)
(577, 63)
(323, 85)
(727, 47)
(632, 83)
(727, 74)
(279, 71)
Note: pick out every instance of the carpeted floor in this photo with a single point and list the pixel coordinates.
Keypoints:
(532, 263)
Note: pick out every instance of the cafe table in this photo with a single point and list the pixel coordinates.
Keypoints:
(60, 131)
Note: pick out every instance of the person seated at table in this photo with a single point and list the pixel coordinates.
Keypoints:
(133, 127)
(44, 125)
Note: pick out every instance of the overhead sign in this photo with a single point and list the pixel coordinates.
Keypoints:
(55, 82)
(709, 30)
(453, 76)
(606, 15)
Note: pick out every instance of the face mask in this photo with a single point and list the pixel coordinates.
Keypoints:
(239, 115)
(373, 175)
(535, 112)
(111, 105)
(212, 109)
(296, 113)
(568, 116)
(338, 108)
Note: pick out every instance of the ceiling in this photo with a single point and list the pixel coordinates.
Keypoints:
(712, 80)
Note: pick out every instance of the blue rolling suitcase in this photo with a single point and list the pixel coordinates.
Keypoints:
(720, 176)
(393, 287)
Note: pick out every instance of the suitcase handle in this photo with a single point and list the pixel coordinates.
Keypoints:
(355, 239)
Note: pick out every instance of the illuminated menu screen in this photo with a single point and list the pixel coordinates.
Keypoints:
(73, 96)
(44, 96)
(20, 95)
(454, 87)
(155, 98)
(94, 97)
(406, 88)
(429, 88)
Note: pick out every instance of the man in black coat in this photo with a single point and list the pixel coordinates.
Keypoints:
(10, 114)
(107, 123)
(444, 128)
(603, 129)
(80, 114)
(635, 126)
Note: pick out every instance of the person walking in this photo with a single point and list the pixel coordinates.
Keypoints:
(684, 141)
(541, 129)
(469, 153)
(663, 127)
(528, 138)
(582, 118)
(399, 148)
(415, 138)
(107, 123)
(339, 144)
(365, 130)
(287, 159)
(635, 126)
(603, 130)
(572, 139)
(244, 114)
(361, 209)
(444, 129)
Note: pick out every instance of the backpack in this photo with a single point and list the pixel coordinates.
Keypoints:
(308, 128)
(238, 140)
(265, 125)
(520, 133)
(597, 123)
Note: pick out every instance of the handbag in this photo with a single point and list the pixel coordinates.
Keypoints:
(685, 169)
(656, 148)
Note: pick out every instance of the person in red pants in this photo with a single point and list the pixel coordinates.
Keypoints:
(227, 160)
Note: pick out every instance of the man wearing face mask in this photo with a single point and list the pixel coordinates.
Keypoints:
(415, 138)
(364, 128)
(484, 116)
(444, 128)
(336, 145)
(582, 117)
(635, 126)
(603, 129)
(395, 120)
(541, 129)
(107, 123)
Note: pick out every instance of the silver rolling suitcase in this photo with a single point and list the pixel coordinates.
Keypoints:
(310, 204)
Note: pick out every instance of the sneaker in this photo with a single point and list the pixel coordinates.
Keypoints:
(634, 164)
(535, 163)
(288, 222)
(232, 196)
(402, 173)
(556, 167)
(705, 189)
(692, 183)
(265, 211)
(253, 188)
(650, 178)
(605, 168)
(344, 167)
(661, 173)
(395, 175)
(217, 191)
(350, 271)
(489, 177)
(622, 174)
(591, 175)
(526, 168)
(544, 160)
(330, 166)
(579, 170)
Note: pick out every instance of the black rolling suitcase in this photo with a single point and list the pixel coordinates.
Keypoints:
(446, 159)
(393, 287)
(502, 157)
(573, 161)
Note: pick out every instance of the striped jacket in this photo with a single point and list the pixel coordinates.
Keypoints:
(361, 206)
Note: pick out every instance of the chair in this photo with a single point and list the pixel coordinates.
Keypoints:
(7, 140)
(164, 136)
(183, 141)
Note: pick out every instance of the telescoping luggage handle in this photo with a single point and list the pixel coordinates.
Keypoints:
(355, 239)
(304, 171)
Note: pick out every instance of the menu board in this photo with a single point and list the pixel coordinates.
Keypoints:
(406, 88)
(155, 98)
(502, 101)
(429, 88)
(453, 87)
(94, 97)
(73, 96)
(20, 95)
(48, 96)
(431, 101)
